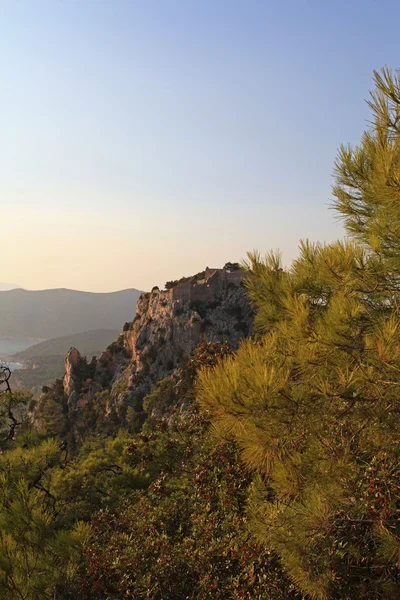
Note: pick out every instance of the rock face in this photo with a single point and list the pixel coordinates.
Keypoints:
(72, 362)
(168, 326)
(71, 380)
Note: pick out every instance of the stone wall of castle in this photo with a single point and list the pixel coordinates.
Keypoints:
(215, 280)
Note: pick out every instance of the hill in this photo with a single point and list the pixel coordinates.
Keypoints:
(54, 313)
(8, 286)
(88, 343)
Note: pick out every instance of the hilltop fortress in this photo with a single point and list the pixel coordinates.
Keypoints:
(211, 306)
(207, 287)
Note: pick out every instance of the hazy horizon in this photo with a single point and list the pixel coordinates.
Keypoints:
(4, 288)
(144, 141)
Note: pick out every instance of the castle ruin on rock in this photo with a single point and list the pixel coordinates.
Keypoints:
(169, 324)
(210, 285)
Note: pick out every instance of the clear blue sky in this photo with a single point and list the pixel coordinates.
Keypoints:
(143, 140)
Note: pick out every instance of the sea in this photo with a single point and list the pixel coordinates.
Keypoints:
(8, 347)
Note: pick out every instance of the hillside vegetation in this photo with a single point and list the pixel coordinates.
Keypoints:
(263, 469)
(38, 372)
(48, 314)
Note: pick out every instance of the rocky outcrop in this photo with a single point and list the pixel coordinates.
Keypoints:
(72, 363)
(77, 372)
(168, 326)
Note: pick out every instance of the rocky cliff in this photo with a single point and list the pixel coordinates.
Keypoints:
(168, 326)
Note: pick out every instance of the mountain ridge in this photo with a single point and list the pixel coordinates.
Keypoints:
(66, 289)
(56, 312)
(86, 341)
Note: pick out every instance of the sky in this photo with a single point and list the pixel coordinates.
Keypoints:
(143, 140)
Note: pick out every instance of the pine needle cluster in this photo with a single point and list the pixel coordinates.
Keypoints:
(314, 401)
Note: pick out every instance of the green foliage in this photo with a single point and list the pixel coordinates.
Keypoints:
(52, 418)
(101, 475)
(313, 403)
(135, 419)
(368, 176)
(185, 537)
(35, 558)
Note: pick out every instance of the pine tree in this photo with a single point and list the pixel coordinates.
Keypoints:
(37, 557)
(314, 400)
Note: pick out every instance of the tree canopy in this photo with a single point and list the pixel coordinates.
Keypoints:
(314, 405)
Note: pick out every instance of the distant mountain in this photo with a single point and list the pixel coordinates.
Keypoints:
(89, 343)
(8, 286)
(53, 313)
